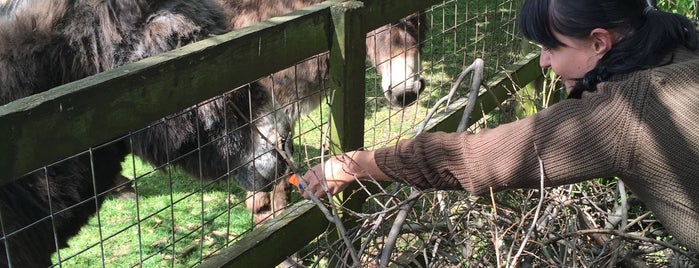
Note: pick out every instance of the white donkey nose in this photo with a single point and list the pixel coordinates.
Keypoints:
(406, 93)
(403, 84)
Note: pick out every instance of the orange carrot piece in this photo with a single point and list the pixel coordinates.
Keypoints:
(294, 180)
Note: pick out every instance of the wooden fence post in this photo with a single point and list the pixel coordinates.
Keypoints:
(347, 90)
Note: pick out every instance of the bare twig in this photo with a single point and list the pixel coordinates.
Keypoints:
(619, 218)
(332, 217)
(496, 237)
(477, 68)
(637, 220)
(396, 227)
(473, 94)
(624, 235)
(536, 214)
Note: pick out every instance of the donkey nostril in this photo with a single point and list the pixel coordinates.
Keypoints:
(405, 98)
(423, 84)
(286, 143)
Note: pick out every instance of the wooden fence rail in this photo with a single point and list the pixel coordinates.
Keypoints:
(98, 108)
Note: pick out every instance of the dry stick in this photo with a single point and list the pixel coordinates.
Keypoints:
(475, 87)
(477, 68)
(638, 219)
(332, 217)
(496, 237)
(536, 214)
(621, 212)
(620, 209)
(380, 218)
(372, 231)
(396, 227)
(624, 235)
(288, 158)
(477, 79)
(624, 205)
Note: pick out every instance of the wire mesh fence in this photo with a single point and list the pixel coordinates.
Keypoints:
(597, 223)
(167, 207)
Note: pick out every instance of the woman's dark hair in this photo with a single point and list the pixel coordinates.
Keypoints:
(647, 34)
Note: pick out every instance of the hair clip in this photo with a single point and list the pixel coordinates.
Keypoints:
(649, 7)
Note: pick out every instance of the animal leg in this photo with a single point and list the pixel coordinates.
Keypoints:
(267, 205)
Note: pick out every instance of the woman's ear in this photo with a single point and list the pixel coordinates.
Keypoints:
(602, 40)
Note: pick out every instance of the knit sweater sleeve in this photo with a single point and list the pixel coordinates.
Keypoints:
(575, 139)
(640, 127)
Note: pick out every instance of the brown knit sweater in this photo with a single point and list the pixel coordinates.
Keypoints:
(642, 127)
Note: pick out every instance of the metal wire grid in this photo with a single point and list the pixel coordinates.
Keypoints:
(156, 216)
(454, 229)
(459, 32)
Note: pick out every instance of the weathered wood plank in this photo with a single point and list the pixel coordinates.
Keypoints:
(347, 77)
(94, 110)
(269, 243)
(381, 12)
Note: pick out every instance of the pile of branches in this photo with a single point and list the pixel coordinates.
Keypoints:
(592, 224)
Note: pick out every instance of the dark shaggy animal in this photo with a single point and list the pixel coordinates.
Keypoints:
(46, 43)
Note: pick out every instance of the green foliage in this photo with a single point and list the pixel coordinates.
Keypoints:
(684, 7)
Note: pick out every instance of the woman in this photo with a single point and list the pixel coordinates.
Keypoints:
(632, 74)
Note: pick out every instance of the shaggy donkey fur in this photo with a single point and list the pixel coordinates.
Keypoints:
(46, 43)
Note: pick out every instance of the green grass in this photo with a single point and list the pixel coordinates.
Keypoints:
(163, 227)
(685, 7)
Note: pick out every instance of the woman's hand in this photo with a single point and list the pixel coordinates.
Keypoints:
(333, 175)
(336, 173)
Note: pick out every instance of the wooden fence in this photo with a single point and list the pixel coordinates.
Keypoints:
(96, 109)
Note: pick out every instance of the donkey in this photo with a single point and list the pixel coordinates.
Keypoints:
(46, 43)
(394, 49)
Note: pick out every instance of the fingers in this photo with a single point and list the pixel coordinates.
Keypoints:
(325, 180)
(313, 185)
(317, 184)
(321, 194)
(321, 190)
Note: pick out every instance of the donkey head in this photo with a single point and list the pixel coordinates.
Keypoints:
(239, 134)
(257, 145)
(395, 51)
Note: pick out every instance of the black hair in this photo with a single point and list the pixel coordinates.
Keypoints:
(648, 34)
